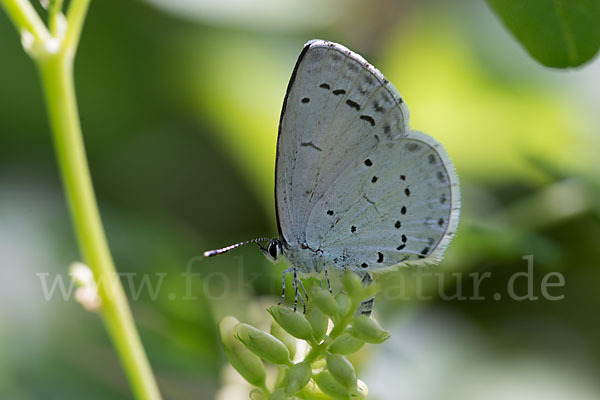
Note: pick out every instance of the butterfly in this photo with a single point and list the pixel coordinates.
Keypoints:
(355, 188)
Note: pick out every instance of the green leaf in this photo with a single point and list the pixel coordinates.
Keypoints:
(557, 33)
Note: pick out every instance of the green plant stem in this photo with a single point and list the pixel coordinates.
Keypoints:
(54, 11)
(319, 350)
(265, 390)
(75, 17)
(24, 16)
(56, 73)
(57, 82)
(341, 325)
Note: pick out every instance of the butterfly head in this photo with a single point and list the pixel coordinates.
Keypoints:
(273, 250)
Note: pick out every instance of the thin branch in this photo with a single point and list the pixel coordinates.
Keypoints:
(54, 11)
(75, 17)
(24, 16)
(56, 72)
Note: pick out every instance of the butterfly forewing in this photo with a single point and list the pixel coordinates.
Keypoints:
(337, 108)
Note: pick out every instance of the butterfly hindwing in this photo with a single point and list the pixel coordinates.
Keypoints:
(396, 203)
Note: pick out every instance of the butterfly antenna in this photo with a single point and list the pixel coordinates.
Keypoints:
(216, 252)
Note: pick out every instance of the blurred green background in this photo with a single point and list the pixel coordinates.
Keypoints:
(180, 101)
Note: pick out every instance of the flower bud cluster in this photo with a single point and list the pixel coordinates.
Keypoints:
(330, 328)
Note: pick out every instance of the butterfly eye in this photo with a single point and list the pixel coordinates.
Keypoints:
(273, 250)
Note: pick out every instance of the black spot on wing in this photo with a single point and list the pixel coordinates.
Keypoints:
(402, 246)
(311, 144)
(441, 177)
(403, 177)
(338, 92)
(364, 265)
(407, 192)
(353, 104)
(353, 229)
(325, 86)
(410, 146)
(368, 162)
(368, 118)
(329, 212)
(403, 210)
(379, 257)
(305, 100)
(374, 179)
(398, 224)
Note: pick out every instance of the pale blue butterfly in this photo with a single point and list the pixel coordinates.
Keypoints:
(355, 187)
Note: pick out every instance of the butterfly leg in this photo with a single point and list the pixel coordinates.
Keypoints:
(327, 279)
(321, 266)
(320, 280)
(295, 283)
(305, 294)
(283, 283)
(303, 289)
